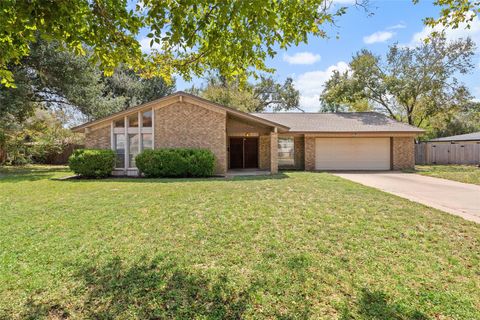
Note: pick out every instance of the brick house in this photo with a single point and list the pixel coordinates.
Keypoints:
(265, 141)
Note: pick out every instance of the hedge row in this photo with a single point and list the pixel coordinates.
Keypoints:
(181, 162)
(92, 163)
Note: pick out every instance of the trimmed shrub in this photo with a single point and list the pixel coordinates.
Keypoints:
(181, 162)
(92, 163)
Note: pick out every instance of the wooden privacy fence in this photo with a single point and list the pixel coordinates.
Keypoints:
(447, 153)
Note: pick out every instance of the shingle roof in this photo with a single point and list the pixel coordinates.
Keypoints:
(180, 94)
(461, 137)
(338, 122)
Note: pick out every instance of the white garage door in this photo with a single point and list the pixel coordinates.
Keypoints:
(352, 154)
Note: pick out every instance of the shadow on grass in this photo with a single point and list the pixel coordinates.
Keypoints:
(29, 173)
(176, 180)
(163, 288)
(375, 305)
(156, 289)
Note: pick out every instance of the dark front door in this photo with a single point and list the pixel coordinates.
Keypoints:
(243, 153)
(250, 147)
(236, 153)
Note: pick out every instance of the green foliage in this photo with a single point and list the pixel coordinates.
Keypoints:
(129, 86)
(276, 96)
(461, 173)
(453, 122)
(453, 14)
(53, 78)
(181, 162)
(411, 84)
(92, 163)
(247, 97)
(234, 37)
(38, 139)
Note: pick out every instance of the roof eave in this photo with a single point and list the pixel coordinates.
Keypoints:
(357, 131)
(235, 112)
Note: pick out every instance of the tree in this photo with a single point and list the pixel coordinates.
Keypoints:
(188, 37)
(258, 97)
(135, 90)
(276, 96)
(453, 14)
(411, 84)
(50, 77)
(455, 122)
(53, 78)
(38, 138)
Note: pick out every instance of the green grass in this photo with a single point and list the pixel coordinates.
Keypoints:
(461, 173)
(294, 246)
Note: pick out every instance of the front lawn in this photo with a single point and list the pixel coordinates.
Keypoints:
(461, 173)
(295, 246)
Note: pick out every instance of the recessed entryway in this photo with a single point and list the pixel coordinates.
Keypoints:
(243, 152)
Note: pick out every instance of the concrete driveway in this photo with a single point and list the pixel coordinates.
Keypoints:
(461, 199)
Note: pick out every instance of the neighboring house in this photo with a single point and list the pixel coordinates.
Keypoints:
(461, 138)
(267, 141)
(459, 149)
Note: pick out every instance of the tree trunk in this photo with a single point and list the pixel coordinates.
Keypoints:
(410, 118)
(3, 155)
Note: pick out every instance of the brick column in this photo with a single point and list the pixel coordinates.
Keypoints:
(274, 152)
(403, 153)
(264, 152)
(309, 153)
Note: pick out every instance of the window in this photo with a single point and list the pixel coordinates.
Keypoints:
(132, 149)
(147, 141)
(119, 150)
(128, 141)
(133, 121)
(119, 123)
(147, 119)
(286, 152)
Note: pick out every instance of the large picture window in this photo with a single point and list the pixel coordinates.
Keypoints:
(286, 152)
(131, 135)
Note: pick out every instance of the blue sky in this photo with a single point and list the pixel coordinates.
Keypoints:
(392, 21)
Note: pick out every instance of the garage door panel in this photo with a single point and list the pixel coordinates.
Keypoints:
(352, 153)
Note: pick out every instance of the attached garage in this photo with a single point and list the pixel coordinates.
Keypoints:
(352, 153)
(349, 140)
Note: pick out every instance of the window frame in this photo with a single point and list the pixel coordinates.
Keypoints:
(127, 130)
(292, 159)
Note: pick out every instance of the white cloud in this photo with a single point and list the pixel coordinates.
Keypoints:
(397, 26)
(145, 45)
(451, 34)
(379, 36)
(310, 84)
(301, 58)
